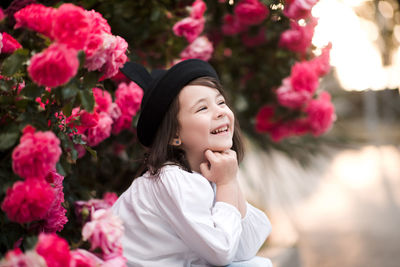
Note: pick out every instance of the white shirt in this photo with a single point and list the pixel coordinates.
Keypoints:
(173, 220)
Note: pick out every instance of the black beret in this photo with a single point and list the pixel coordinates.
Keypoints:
(160, 88)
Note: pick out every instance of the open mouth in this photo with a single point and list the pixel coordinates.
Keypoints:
(220, 130)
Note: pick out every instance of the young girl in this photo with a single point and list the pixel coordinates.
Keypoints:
(187, 209)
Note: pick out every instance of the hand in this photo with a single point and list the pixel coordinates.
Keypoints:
(221, 167)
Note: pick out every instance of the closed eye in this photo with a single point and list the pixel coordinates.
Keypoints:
(202, 108)
(221, 102)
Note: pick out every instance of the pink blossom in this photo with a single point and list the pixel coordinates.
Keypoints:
(265, 120)
(97, 23)
(54, 66)
(15, 258)
(321, 64)
(82, 120)
(201, 48)
(103, 99)
(94, 45)
(1, 45)
(104, 231)
(80, 149)
(298, 38)
(251, 12)
(71, 26)
(116, 57)
(36, 17)
(101, 131)
(198, 9)
(280, 131)
(288, 97)
(54, 250)
(254, 40)
(37, 154)
(110, 198)
(84, 258)
(55, 218)
(114, 111)
(28, 201)
(9, 43)
(95, 204)
(232, 25)
(2, 16)
(321, 114)
(303, 77)
(189, 27)
(123, 122)
(128, 98)
(118, 261)
(299, 9)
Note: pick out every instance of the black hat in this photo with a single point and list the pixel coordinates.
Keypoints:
(160, 88)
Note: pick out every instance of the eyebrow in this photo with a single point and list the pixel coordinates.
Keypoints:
(204, 99)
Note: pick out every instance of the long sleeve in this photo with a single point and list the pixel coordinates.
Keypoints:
(185, 201)
(255, 229)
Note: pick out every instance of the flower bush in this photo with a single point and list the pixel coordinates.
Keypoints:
(68, 115)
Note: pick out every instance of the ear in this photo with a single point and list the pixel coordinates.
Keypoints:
(176, 141)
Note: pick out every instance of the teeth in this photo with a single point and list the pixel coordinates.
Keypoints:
(220, 130)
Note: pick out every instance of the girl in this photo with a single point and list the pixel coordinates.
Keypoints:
(187, 209)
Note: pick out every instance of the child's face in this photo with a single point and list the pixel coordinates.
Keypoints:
(206, 122)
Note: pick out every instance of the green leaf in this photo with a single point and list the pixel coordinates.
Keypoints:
(13, 63)
(81, 57)
(32, 91)
(87, 99)
(90, 79)
(67, 109)
(8, 139)
(69, 91)
(91, 151)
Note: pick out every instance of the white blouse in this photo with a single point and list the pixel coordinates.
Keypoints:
(173, 220)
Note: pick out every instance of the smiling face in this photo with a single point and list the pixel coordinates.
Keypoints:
(205, 121)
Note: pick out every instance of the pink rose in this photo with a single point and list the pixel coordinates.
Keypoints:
(321, 64)
(98, 24)
(254, 40)
(9, 44)
(2, 16)
(104, 231)
(15, 258)
(54, 66)
(232, 25)
(28, 201)
(303, 77)
(189, 27)
(116, 57)
(37, 154)
(201, 48)
(290, 98)
(123, 122)
(128, 98)
(299, 9)
(1, 46)
(119, 261)
(71, 26)
(298, 38)
(94, 45)
(36, 17)
(84, 258)
(321, 114)
(54, 250)
(103, 99)
(82, 120)
(265, 120)
(251, 12)
(198, 9)
(101, 131)
(110, 198)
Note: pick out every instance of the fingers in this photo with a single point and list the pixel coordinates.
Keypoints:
(205, 169)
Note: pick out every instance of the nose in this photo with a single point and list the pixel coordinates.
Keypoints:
(220, 112)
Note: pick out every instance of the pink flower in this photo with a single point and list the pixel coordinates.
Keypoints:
(95, 203)
(288, 97)
(9, 44)
(198, 9)
(84, 258)
(299, 9)
(104, 231)
(303, 77)
(118, 261)
(123, 122)
(54, 66)
(321, 114)
(82, 120)
(55, 218)
(101, 131)
(251, 12)
(280, 131)
(15, 258)
(189, 27)
(37, 154)
(201, 48)
(2, 16)
(54, 250)
(232, 25)
(110, 198)
(321, 64)
(298, 38)
(28, 201)
(128, 98)
(36, 17)
(98, 24)
(1, 45)
(265, 120)
(103, 99)
(71, 26)
(116, 57)
(254, 40)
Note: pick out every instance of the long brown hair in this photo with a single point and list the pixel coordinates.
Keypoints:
(162, 151)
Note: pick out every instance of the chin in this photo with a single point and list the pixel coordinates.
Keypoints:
(221, 148)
